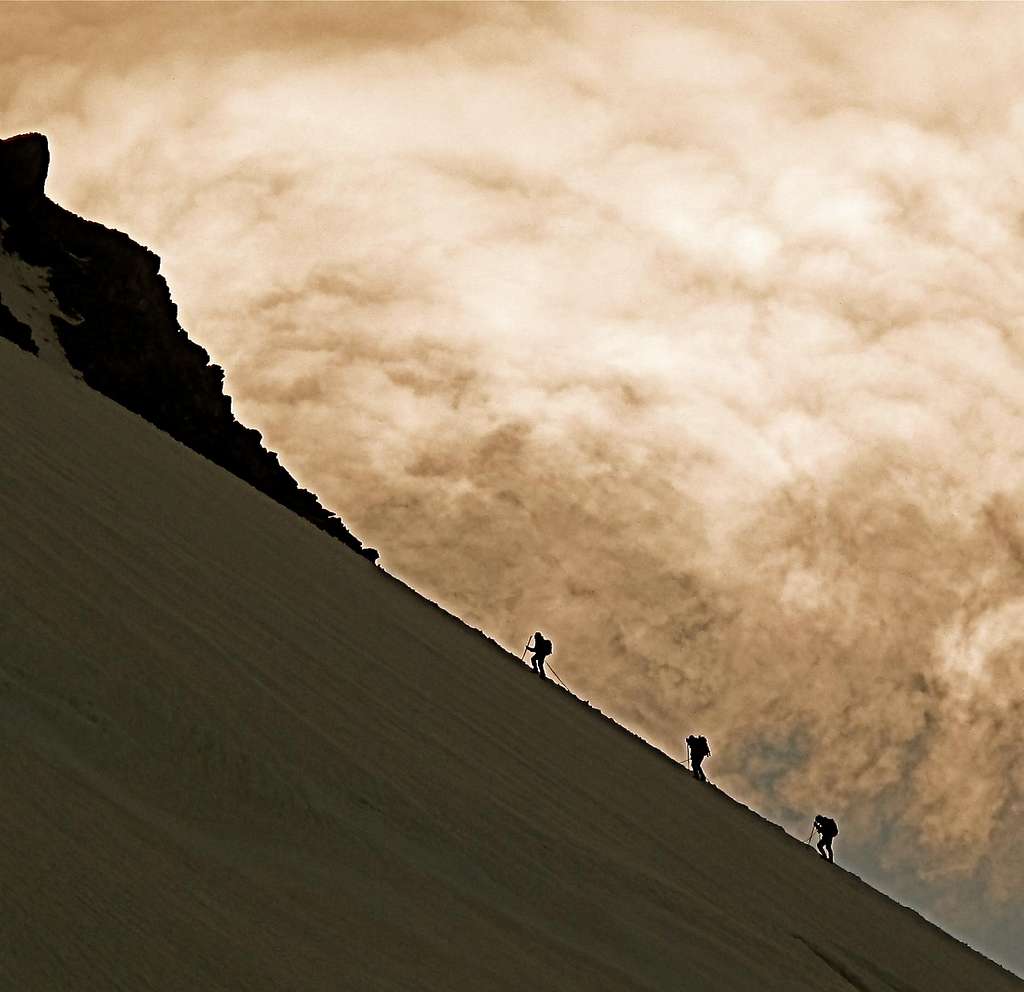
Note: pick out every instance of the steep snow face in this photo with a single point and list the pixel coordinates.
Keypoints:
(254, 746)
(25, 292)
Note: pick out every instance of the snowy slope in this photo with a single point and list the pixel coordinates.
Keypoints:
(237, 756)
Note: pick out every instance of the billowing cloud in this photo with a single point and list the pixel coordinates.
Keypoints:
(690, 335)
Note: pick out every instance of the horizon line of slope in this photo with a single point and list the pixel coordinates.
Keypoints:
(208, 764)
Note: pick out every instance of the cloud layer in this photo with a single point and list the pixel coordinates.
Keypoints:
(691, 335)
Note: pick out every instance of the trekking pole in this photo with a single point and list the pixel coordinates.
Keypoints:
(560, 682)
(811, 834)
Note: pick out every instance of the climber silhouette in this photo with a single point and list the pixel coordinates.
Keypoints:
(540, 649)
(827, 829)
(699, 750)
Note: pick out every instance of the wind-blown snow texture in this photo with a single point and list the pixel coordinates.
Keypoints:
(236, 756)
(81, 295)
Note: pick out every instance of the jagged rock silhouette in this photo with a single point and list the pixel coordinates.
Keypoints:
(121, 332)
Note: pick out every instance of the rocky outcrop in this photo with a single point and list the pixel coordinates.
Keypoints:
(24, 162)
(117, 325)
(13, 329)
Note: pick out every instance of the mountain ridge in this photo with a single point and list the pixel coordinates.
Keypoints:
(109, 316)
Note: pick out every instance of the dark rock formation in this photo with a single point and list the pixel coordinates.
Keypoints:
(122, 334)
(14, 330)
(24, 162)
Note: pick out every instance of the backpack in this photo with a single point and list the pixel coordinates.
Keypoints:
(698, 746)
(829, 827)
(542, 648)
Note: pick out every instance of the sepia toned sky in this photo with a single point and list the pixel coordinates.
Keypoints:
(692, 335)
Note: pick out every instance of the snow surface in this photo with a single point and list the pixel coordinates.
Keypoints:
(235, 755)
(25, 291)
